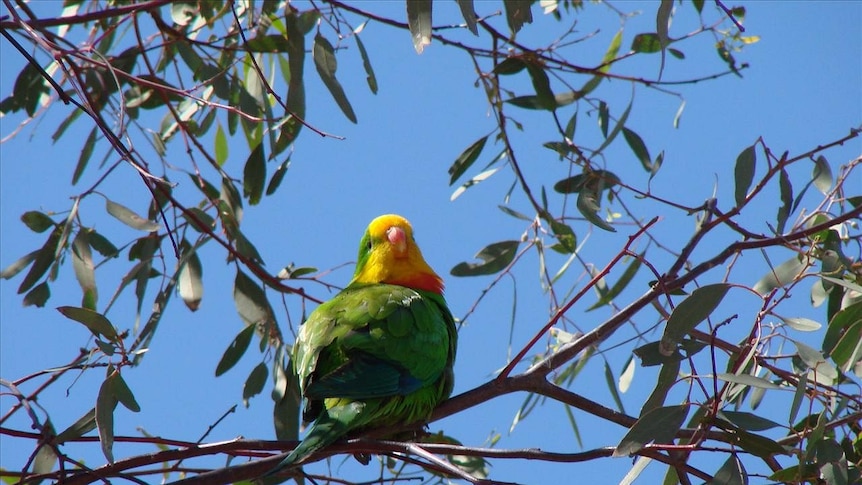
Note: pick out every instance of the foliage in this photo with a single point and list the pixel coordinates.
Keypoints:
(155, 79)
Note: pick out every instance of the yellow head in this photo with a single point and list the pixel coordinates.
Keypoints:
(389, 254)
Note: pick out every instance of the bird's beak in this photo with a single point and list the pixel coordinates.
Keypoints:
(398, 238)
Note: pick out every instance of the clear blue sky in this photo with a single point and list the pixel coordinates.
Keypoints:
(803, 89)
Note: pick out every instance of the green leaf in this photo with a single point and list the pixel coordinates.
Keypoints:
(419, 23)
(366, 64)
(698, 5)
(595, 180)
(38, 296)
(221, 147)
(798, 396)
(254, 175)
(84, 157)
(124, 394)
(621, 122)
(748, 421)
(731, 473)
(659, 425)
(235, 350)
(786, 200)
(85, 272)
(801, 324)
(509, 66)
(18, 265)
(277, 177)
(44, 259)
(620, 285)
(268, 43)
(37, 221)
(251, 302)
(254, 383)
(106, 402)
(650, 354)
(667, 376)
(466, 159)
(565, 235)
(638, 146)
(495, 257)
(96, 322)
(744, 173)
(612, 387)
(82, 426)
(129, 218)
(469, 15)
(822, 175)
(29, 88)
(648, 43)
(747, 380)
(848, 350)
(841, 322)
(324, 60)
(189, 282)
(783, 274)
(690, 312)
(588, 205)
(199, 220)
(517, 13)
(815, 360)
(542, 85)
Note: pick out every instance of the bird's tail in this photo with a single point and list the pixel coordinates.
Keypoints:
(332, 424)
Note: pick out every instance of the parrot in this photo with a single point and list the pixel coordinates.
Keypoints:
(380, 353)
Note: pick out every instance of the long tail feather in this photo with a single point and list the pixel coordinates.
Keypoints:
(332, 424)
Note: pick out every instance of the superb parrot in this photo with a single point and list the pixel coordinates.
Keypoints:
(380, 352)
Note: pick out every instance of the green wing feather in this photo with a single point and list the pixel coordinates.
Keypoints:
(375, 355)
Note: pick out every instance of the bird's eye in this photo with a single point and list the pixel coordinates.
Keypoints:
(368, 245)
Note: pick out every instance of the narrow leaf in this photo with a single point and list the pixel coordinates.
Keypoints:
(747, 380)
(190, 281)
(221, 147)
(235, 350)
(638, 146)
(106, 402)
(822, 175)
(612, 387)
(659, 425)
(748, 421)
(466, 159)
(744, 173)
(43, 260)
(731, 473)
(781, 275)
(82, 263)
(96, 322)
(129, 218)
(277, 177)
(495, 257)
(251, 302)
(419, 23)
(37, 221)
(254, 383)
(18, 265)
(38, 296)
(254, 175)
(326, 65)
(588, 205)
(366, 64)
(84, 157)
(786, 200)
(801, 324)
(620, 285)
(517, 13)
(124, 394)
(690, 312)
(469, 15)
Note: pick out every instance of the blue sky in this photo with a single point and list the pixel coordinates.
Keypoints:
(802, 89)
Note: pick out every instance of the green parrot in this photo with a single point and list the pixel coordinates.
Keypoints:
(380, 353)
